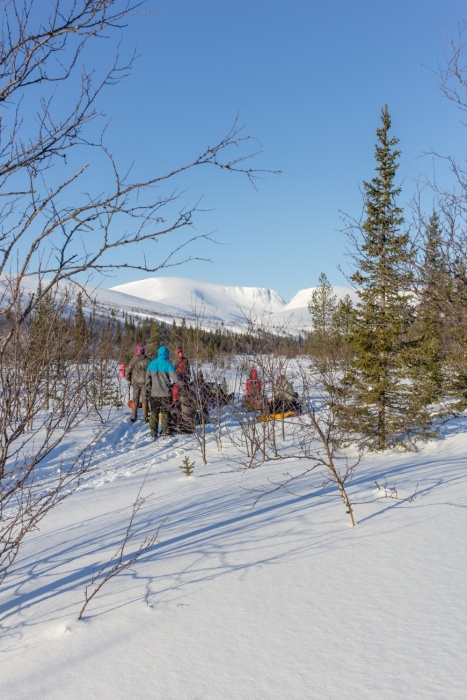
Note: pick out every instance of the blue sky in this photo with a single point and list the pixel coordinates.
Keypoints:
(309, 80)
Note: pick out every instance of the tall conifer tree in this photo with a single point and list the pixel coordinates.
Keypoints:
(384, 409)
(322, 308)
(327, 344)
(456, 342)
(80, 330)
(434, 291)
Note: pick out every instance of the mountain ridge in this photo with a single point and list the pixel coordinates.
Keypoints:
(234, 306)
(168, 299)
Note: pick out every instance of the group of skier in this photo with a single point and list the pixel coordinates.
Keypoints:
(172, 403)
(163, 390)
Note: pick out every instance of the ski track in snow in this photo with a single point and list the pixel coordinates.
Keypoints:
(125, 446)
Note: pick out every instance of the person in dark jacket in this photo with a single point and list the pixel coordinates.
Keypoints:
(160, 376)
(183, 410)
(136, 377)
(285, 398)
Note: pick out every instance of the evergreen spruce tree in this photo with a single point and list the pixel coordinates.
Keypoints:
(433, 300)
(174, 335)
(183, 333)
(80, 331)
(456, 336)
(154, 338)
(342, 322)
(322, 308)
(385, 409)
(342, 318)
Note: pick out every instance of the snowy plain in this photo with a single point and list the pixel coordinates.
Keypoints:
(237, 601)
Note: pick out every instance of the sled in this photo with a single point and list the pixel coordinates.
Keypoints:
(276, 416)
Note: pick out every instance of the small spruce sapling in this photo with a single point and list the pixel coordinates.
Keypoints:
(187, 467)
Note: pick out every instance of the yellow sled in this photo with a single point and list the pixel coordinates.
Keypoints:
(276, 416)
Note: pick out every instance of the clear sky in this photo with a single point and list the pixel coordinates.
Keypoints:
(309, 79)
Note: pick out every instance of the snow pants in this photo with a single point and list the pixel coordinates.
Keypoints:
(160, 412)
(139, 396)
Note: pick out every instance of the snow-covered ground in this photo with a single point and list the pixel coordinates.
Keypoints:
(241, 602)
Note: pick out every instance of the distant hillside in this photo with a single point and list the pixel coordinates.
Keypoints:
(231, 306)
(169, 299)
(213, 302)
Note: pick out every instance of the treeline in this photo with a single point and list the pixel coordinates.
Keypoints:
(62, 327)
(84, 335)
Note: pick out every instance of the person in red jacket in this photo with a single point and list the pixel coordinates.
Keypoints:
(253, 385)
(252, 399)
(182, 366)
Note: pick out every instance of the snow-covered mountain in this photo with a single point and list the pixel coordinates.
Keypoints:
(214, 304)
(211, 305)
(203, 300)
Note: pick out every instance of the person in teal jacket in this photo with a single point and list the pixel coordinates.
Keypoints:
(160, 376)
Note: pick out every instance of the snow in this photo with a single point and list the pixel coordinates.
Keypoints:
(235, 601)
(201, 303)
(231, 305)
(300, 299)
(203, 299)
(189, 291)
